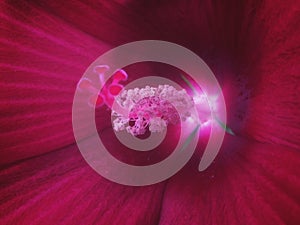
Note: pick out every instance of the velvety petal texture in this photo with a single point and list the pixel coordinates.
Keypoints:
(249, 183)
(61, 188)
(42, 59)
(251, 46)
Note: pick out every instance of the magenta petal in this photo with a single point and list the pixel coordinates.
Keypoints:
(249, 183)
(251, 46)
(61, 188)
(40, 68)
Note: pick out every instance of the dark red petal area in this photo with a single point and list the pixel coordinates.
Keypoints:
(249, 183)
(61, 188)
(42, 59)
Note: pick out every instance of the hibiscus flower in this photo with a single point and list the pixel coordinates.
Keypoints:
(251, 46)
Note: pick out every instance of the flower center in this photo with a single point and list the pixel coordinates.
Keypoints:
(152, 109)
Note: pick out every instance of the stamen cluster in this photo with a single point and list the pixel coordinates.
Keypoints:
(152, 109)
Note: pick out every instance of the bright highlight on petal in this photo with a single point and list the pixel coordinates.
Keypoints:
(207, 104)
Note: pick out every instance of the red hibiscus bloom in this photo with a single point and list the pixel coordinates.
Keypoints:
(252, 47)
